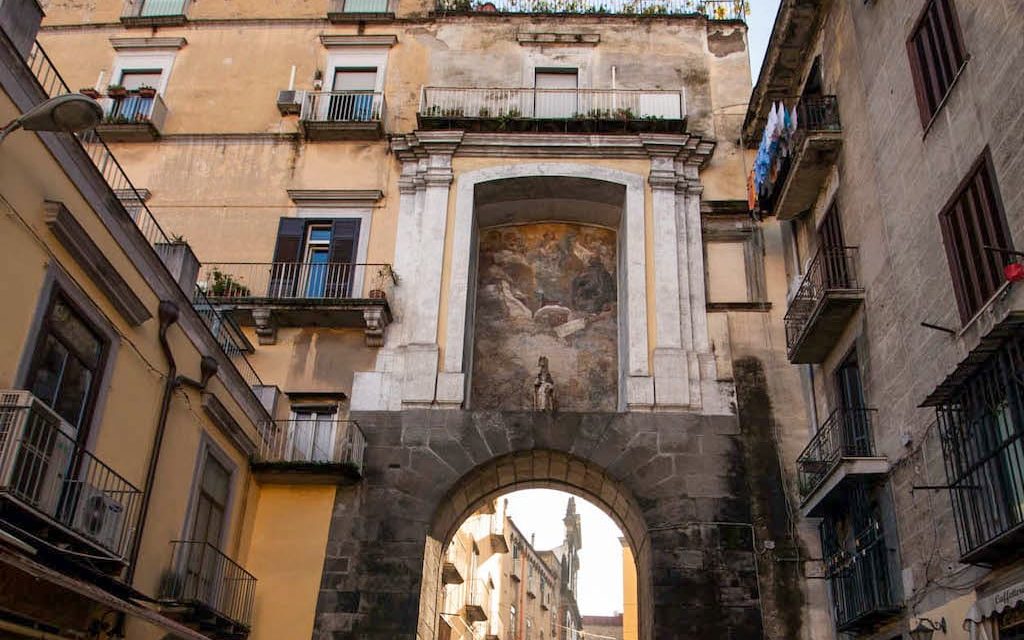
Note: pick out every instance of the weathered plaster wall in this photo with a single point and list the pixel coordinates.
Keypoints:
(546, 290)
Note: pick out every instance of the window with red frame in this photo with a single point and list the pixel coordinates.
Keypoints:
(937, 54)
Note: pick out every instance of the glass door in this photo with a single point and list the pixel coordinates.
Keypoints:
(317, 259)
(312, 435)
(352, 96)
(556, 95)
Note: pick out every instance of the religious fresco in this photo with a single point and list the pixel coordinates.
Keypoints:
(546, 290)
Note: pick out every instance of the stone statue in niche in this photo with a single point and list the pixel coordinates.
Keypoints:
(544, 398)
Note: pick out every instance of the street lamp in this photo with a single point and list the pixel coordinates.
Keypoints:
(922, 632)
(69, 113)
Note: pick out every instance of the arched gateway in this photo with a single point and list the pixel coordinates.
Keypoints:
(672, 482)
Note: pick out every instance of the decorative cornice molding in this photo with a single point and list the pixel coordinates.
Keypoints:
(355, 198)
(133, 43)
(95, 263)
(548, 38)
(386, 40)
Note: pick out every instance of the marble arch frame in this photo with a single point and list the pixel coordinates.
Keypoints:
(635, 384)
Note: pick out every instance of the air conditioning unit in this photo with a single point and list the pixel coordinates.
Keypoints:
(100, 516)
(36, 446)
(289, 102)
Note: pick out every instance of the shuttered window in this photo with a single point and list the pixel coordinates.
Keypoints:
(315, 258)
(936, 55)
(973, 220)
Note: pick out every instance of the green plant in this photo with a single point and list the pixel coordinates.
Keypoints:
(224, 285)
(625, 114)
(115, 88)
(177, 238)
(484, 112)
(432, 111)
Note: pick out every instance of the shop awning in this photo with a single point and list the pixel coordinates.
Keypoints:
(991, 606)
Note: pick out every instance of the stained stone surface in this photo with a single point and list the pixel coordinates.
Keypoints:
(546, 289)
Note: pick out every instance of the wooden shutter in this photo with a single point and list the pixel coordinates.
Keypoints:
(344, 243)
(833, 252)
(284, 274)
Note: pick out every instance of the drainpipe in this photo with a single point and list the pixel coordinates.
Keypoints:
(168, 315)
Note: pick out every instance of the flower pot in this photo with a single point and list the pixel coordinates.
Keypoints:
(117, 93)
(147, 93)
(91, 93)
(377, 294)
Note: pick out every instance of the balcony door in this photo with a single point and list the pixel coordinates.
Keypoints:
(315, 258)
(834, 265)
(557, 93)
(204, 568)
(850, 402)
(311, 434)
(135, 108)
(352, 94)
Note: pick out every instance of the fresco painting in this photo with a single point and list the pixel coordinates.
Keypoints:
(546, 289)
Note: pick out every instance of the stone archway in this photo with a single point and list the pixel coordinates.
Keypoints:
(534, 469)
(676, 483)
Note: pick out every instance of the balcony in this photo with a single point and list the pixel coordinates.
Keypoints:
(207, 590)
(456, 559)
(552, 110)
(710, 9)
(495, 629)
(863, 592)
(343, 11)
(515, 572)
(814, 150)
(980, 409)
(310, 452)
(545, 598)
(828, 296)
(132, 118)
(53, 489)
(302, 294)
(476, 600)
(531, 587)
(496, 534)
(342, 115)
(154, 13)
(841, 451)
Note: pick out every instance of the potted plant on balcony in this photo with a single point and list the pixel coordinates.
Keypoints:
(146, 91)
(116, 91)
(90, 92)
(225, 286)
(384, 274)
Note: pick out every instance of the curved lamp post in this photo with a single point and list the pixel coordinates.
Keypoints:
(69, 113)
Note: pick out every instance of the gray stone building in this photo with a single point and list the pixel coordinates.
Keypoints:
(888, 139)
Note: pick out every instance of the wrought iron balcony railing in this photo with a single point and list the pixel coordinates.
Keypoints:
(43, 468)
(52, 84)
(313, 442)
(203, 578)
(476, 599)
(277, 281)
(359, 6)
(456, 560)
(832, 270)
(862, 586)
(845, 434)
(551, 104)
(134, 109)
(710, 9)
(982, 429)
(343, 106)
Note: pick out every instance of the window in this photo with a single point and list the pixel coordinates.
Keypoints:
(315, 259)
(973, 220)
(353, 94)
(936, 55)
(513, 620)
(211, 501)
(734, 259)
(133, 79)
(311, 436)
(67, 363)
(557, 93)
(982, 428)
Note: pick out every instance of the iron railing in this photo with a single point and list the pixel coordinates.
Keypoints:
(845, 434)
(476, 594)
(982, 429)
(43, 467)
(861, 582)
(134, 109)
(343, 106)
(202, 576)
(324, 441)
(133, 203)
(234, 281)
(154, 8)
(711, 9)
(833, 269)
(226, 333)
(529, 102)
(359, 6)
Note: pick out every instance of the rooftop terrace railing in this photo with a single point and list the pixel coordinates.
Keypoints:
(113, 173)
(711, 9)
